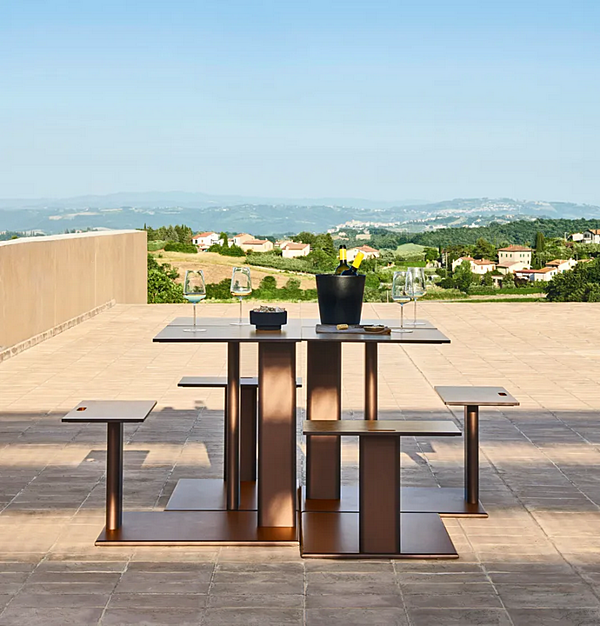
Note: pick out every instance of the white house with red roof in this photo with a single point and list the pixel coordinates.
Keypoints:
(514, 254)
(256, 245)
(368, 251)
(205, 240)
(238, 240)
(292, 249)
(478, 266)
(545, 274)
(562, 265)
(592, 235)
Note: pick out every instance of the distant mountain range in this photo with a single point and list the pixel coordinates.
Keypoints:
(267, 216)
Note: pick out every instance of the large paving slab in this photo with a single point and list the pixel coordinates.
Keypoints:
(536, 560)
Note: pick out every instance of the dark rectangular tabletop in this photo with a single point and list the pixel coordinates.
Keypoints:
(295, 330)
(418, 335)
(476, 396)
(110, 411)
(413, 428)
(227, 332)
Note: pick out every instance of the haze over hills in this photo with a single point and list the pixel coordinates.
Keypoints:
(268, 216)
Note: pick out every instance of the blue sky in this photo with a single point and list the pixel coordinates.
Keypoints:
(376, 99)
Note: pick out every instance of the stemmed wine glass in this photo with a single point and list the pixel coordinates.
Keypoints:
(401, 293)
(194, 291)
(419, 289)
(241, 286)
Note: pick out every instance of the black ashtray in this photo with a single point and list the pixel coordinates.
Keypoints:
(268, 318)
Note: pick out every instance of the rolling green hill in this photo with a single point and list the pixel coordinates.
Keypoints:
(522, 232)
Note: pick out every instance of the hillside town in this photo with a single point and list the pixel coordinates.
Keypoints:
(289, 249)
(517, 260)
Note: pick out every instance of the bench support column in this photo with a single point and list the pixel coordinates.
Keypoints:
(379, 485)
(232, 425)
(114, 476)
(323, 402)
(471, 436)
(248, 419)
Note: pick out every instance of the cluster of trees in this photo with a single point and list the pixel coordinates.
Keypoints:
(522, 232)
(267, 290)
(225, 249)
(161, 283)
(581, 284)
(174, 246)
(177, 234)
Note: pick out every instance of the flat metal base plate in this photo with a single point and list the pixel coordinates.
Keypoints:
(199, 527)
(446, 501)
(336, 535)
(209, 494)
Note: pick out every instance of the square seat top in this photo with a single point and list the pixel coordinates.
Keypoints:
(476, 396)
(395, 428)
(91, 411)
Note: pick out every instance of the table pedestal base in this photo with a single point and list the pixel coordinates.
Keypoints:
(336, 535)
(210, 494)
(195, 528)
(446, 501)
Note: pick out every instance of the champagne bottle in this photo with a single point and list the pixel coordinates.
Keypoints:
(343, 264)
(353, 269)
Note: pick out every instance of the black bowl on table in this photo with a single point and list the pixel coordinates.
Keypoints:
(268, 320)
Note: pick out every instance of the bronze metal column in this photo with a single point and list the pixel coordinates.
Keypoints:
(233, 426)
(225, 431)
(471, 436)
(379, 485)
(323, 402)
(114, 475)
(248, 419)
(370, 380)
(277, 434)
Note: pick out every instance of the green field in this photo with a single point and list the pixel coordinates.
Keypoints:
(409, 249)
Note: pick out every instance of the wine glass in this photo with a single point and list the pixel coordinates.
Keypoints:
(419, 289)
(194, 291)
(241, 286)
(401, 293)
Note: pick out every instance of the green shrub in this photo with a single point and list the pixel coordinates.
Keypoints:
(444, 294)
(161, 283)
(188, 248)
(226, 250)
(581, 284)
(219, 291)
(270, 259)
(153, 246)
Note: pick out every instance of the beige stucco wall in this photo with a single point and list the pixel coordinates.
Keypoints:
(45, 281)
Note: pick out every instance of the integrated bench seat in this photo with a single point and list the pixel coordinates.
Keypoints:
(114, 413)
(472, 398)
(248, 417)
(380, 519)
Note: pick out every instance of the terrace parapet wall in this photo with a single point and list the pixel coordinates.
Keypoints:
(46, 282)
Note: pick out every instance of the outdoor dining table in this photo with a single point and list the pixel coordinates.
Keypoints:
(268, 509)
(273, 516)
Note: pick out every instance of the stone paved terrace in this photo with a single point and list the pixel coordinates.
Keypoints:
(535, 561)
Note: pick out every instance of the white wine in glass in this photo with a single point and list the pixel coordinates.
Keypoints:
(401, 293)
(419, 289)
(241, 286)
(194, 291)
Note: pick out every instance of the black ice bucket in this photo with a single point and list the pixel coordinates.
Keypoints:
(340, 298)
